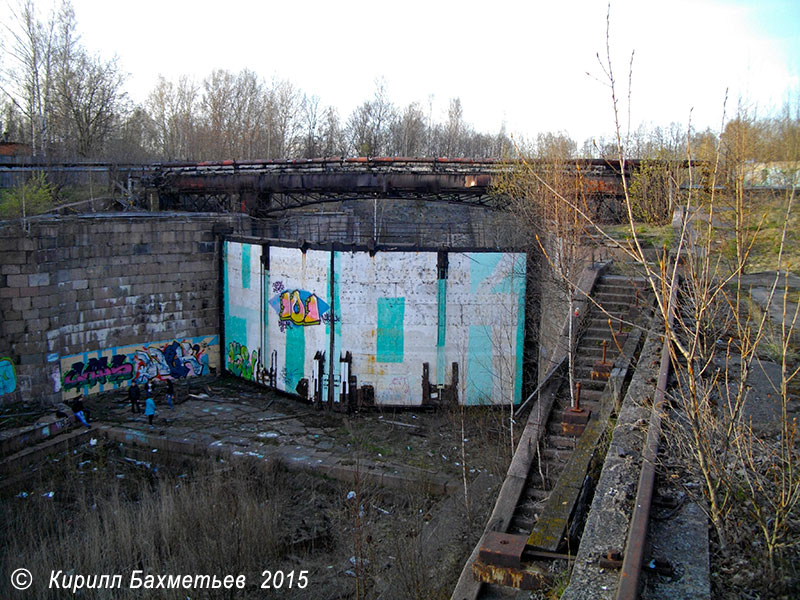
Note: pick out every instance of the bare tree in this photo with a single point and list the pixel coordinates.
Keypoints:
(284, 110)
(369, 125)
(173, 109)
(88, 103)
(70, 100)
(454, 130)
(408, 132)
(720, 335)
(311, 126)
(332, 138)
(26, 78)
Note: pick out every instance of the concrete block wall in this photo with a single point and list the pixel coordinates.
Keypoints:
(74, 289)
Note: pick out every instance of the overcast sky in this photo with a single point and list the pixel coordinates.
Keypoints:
(530, 64)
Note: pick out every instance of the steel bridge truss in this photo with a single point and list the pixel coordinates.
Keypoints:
(265, 188)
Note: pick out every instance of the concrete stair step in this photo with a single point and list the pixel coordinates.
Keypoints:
(65, 441)
(592, 384)
(556, 454)
(560, 441)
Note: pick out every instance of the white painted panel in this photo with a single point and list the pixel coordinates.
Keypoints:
(484, 335)
(398, 282)
(301, 280)
(242, 298)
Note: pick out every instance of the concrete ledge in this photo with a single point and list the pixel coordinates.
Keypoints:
(401, 477)
(12, 441)
(11, 467)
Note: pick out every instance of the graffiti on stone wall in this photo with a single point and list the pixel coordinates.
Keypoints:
(98, 370)
(8, 377)
(175, 359)
(297, 307)
(397, 391)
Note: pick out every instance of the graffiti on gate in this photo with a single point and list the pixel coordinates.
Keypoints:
(240, 362)
(298, 307)
(98, 370)
(397, 391)
(8, 377)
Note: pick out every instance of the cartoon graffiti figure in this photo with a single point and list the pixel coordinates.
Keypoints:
(175, 360)
(192, 356)
(8, 377)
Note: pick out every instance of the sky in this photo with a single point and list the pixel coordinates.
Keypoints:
(529, 64)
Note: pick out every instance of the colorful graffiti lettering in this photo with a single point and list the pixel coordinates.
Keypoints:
(174, 360)
(97, 370)
(299, 307)
(300, 312)
(8, 377)
(241, 363)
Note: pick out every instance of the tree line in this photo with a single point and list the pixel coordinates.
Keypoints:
(67, 103)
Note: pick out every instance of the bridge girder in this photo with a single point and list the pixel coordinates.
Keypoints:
(268, 187)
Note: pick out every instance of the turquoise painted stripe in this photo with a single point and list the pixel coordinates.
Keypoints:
(480, 371)
(519, 287)
(226, 290)
(336, 306)
(391, 318)
(295, 356)
(441, 299)
(245, 266)
(482, 265)
(85, 360)
(235, 330)
(514, 281)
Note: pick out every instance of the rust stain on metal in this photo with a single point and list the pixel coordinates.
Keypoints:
(611, 560)
(529, 578)
(502, 549)
(574, 421)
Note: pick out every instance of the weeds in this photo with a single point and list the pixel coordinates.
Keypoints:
(224, 519)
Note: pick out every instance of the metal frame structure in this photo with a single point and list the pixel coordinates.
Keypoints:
(265, 188)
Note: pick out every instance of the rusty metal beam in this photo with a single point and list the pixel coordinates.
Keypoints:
(283, 185)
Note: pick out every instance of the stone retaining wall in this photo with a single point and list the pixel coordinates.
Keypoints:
(75, 290)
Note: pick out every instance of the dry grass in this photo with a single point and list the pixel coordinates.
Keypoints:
(223, 520)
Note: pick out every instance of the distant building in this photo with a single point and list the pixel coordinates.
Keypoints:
(772, 174)
(14, 149)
